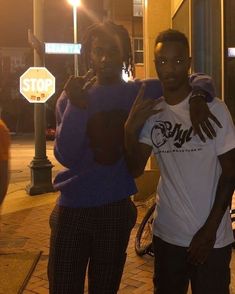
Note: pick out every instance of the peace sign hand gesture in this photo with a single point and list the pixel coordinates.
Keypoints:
(141, 110)
(77, 88)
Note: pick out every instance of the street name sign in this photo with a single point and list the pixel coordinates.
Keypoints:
(37, 84)
(62, 48)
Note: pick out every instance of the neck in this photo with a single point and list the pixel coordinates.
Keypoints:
(175, 96)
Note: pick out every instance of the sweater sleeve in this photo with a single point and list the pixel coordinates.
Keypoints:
(70, 138)
(201, 81)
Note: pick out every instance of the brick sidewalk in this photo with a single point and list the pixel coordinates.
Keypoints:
(29, 230)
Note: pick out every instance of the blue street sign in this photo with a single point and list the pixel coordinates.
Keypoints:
(62, 48)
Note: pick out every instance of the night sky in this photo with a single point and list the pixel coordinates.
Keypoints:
(16, 16)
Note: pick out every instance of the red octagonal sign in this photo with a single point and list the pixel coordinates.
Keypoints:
(37, 84)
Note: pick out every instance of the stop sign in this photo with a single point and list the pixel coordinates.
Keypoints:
(37, 84)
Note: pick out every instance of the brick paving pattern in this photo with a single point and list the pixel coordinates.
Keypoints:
(29, 230)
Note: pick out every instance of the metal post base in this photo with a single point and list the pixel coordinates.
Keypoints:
(41, 177)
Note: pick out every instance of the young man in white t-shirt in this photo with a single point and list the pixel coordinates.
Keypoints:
(192, 229)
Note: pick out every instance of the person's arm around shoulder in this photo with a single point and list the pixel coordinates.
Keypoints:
(203, 91)
(203, 85)
(136, 153)
(4, 161)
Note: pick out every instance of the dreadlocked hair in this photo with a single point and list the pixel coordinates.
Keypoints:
(110, 29)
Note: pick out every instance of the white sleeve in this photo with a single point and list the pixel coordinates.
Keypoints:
(145, 133)
(225, 139)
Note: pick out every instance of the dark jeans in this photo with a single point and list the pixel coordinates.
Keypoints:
(96, 238)
(172, 272)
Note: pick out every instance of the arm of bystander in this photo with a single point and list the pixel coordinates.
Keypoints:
(4, 159)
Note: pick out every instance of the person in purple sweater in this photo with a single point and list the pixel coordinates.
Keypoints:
(94, 216)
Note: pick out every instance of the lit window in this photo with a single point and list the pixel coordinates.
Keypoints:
(138, 50)
(138, 8)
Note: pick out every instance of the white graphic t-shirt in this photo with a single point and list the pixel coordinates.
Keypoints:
(190, 171)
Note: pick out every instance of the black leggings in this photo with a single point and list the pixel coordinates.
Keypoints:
(94, 237)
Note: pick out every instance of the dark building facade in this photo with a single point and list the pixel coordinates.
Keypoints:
(210, 27)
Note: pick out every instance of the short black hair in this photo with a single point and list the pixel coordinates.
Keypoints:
(110, 29)
(171, 35)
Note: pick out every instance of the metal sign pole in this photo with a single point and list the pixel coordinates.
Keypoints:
(75, 39)
(41, 178)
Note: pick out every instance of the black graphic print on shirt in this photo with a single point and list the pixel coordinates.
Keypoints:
(106, 133)
(163, 130)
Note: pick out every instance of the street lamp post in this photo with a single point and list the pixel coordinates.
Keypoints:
(41, 175)
(75, 4)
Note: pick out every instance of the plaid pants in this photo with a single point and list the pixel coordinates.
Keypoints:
(96, 238)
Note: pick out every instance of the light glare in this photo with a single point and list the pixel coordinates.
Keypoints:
(76, 3)
(125, 76)
(231, 52)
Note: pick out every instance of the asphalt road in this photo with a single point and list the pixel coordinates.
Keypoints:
(22, 153)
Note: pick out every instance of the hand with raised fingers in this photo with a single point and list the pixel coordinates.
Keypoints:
(141, 110)
(201, 118)
(77, 88)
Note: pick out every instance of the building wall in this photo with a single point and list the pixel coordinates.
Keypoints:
(201, 22)
(157, 17)
(175, 4)
(181, 19)
(137, 32)
(137, 29)
(12, 58)
(121, 12)
(15, 110)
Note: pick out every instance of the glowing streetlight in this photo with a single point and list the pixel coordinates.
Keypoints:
(75, 4)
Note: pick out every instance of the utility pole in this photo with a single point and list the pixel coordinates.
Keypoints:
(41, 176)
